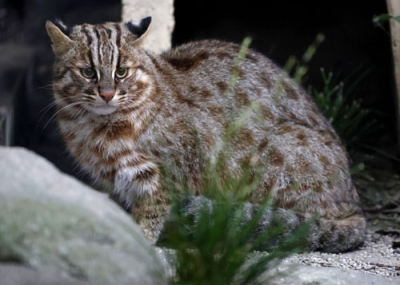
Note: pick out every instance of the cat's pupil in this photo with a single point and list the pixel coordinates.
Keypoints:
(88, 72)
(121, 72)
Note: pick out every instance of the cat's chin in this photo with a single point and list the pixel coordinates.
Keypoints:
(107, 110)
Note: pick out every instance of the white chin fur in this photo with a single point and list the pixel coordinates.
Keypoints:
(106, 110)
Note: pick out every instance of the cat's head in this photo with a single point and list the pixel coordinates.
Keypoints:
(98, 67)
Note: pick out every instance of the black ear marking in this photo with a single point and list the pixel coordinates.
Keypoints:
(140, 28)
(64, 28)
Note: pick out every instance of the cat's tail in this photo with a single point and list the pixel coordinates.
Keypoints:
(333, 234)
(328, 235)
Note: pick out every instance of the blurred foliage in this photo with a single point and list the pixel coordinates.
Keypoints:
(384, 17)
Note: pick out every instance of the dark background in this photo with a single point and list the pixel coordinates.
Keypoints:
(279, 29)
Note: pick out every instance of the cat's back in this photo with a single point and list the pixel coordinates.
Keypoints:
(218, 83)
(189, 56)
(221, 74)
(216, 58)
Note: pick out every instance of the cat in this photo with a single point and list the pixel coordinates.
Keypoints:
(126, 114)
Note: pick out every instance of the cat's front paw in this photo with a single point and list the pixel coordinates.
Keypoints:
(134, 182)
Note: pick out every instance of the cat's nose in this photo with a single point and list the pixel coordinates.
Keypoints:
(107, 94)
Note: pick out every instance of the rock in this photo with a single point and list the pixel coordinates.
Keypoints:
(12, 274)
(54, 223)
(162, 25)
(301, 274)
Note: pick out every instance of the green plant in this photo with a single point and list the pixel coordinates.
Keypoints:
(351, 121)
(384, 17)
(214, 234)
(213, 244)
(298, 68)
(344, 112)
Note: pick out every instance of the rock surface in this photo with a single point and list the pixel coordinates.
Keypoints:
(300, 274)
(304, 269)
(162, 25)
(54, 223)
(12, 274)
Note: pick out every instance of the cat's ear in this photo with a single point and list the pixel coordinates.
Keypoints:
(58, 34)
(140, 29)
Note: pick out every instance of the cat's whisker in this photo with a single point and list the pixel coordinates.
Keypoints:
(47, 109)
(55, 102)
(78, 111)
(56, 113)
(46, 87)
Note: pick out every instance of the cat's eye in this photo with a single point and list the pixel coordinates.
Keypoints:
(121, 72)
(88, 72)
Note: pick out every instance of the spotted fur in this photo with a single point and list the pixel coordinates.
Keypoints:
(173, 109)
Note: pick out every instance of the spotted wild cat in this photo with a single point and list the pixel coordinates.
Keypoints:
(125, 113)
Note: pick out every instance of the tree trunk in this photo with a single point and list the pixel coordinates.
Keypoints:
(394, 10)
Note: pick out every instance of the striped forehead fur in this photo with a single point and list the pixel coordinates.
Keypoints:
(104, 42)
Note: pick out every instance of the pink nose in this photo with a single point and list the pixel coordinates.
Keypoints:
(107, 95)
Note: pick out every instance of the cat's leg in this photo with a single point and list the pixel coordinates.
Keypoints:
(150, 211)
(139, 191)
(134, 181)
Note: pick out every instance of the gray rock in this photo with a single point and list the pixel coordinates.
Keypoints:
(53, 222)
(12, 274)
(162, 24)
(301, 274)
